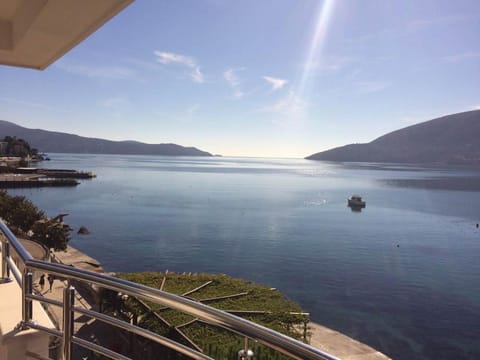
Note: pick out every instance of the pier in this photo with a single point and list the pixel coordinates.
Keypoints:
(11, 178)
(13, 181)
(55, 173)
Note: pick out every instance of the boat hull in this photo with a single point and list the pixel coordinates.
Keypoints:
(356, 203)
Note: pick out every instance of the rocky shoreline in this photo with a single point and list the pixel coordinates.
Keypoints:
(75, 257)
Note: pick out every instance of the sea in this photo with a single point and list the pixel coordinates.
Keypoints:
(402, 275)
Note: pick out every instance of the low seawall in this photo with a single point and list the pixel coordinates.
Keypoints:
(12, 181)
(75, 257)
(340, 345)
(36, 183)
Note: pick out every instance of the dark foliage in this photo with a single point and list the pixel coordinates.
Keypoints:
(21, 215)
(16, 147)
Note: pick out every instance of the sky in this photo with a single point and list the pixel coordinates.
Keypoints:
(269, 78)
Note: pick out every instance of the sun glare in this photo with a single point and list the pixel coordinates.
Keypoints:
(317, 43)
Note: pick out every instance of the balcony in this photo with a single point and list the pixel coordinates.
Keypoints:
(27, 330)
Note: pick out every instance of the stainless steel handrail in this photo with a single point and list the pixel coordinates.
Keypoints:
(210, 315)
(21, 251)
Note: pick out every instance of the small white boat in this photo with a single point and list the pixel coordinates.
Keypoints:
(356, 201)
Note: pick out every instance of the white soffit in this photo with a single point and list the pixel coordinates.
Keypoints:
(35, 33)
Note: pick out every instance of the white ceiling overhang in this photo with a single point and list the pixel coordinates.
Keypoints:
(35, 33)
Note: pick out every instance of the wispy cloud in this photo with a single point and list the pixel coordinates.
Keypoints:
(368, 87)
(106, 72)
(291, 104)
(172, 58)
(232, 78)
(276, 83)
(470, 55)
(329, 64)
(197, 75)
(167, 58)
(289, 112)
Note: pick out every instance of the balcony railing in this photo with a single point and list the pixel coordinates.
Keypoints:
(25, 265)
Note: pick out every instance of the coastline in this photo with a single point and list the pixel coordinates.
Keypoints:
(341, 345)
(75, 257)
(319, 336)
(30, 177)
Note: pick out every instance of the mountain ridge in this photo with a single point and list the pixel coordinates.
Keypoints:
(450, 139)
(55, 141)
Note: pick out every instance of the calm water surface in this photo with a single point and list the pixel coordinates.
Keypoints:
(403, 275)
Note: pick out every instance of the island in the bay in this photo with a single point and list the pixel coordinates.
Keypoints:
(58, 142)
(451, 139)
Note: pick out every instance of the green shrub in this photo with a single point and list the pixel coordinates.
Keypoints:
(21, 215)
(279, 314)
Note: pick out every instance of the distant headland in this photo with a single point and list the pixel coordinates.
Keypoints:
(50, 141)
(451, 139)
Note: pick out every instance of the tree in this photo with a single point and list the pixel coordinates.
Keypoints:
(17, 147)
(51, 233)
(18, 211)
(21, 215)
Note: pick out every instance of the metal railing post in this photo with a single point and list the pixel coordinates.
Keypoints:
(68, 304)
(245, 354)
(5, 268)
(27, 281)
